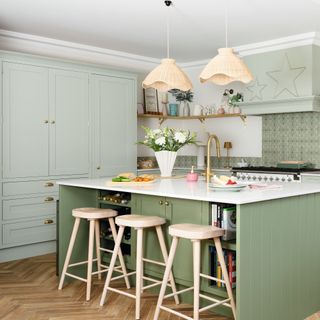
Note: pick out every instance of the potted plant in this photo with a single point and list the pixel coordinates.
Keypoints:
(184, 97)
(165, 142)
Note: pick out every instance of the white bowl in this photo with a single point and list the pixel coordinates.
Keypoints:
(242, 164)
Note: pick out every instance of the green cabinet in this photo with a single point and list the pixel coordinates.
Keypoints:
(174, 211)
(45, 121)
(69, 122)
(25, 120)
(115, 125)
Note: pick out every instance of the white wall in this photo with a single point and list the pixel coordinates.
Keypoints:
(246, 139)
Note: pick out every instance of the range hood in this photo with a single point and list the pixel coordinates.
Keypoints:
(285, 81)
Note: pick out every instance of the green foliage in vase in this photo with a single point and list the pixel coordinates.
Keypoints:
(182, 95)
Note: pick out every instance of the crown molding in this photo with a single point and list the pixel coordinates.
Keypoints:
(21, 42)
(299, 40)
(26, 43)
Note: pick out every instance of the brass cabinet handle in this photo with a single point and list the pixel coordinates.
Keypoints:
(48, 221)
(48, 199)
(49, 184)
(166, 203)
(161, 202)
(98, 168)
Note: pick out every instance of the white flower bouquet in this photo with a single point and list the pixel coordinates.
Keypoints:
(167, 139)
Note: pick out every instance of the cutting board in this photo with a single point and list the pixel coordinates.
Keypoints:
(129, 184)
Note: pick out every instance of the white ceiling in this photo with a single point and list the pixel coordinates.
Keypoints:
(138, 27)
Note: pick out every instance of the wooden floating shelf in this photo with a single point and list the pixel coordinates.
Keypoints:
(200, 118)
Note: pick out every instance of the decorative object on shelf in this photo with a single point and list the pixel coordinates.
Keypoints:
(198, 110)
(231, 101)
(228, 145)
(226, 67)
(151, 101)
(167, 75)
(184, 97)
(165, 143)
(163, 101)
(173, 109)
(140, 108)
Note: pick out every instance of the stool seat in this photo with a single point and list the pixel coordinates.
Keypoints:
(93, 213)
(139, 221)
(194, 231)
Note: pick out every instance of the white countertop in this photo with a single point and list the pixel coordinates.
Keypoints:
(180, 188)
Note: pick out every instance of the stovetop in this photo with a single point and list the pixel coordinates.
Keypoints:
(273, 169)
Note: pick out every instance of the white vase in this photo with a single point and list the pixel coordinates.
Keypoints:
(166, 161)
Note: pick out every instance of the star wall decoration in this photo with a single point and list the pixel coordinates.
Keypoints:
(285, 78)
(256, 89)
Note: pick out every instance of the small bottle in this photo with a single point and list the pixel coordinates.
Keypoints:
(192, 176)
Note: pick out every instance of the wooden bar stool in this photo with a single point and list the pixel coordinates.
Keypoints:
(139, 222)
(196, 233)
(93, 215)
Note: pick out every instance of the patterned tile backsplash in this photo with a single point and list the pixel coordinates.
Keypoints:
(289, 136)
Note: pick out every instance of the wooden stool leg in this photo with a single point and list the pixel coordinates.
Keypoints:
(123, 265)
(139, 270)
(166, 275)
(196, 278)
(112, 264)
(69, 252)
(90, 258)
(217, 243)
(165, 258)
(97, 236)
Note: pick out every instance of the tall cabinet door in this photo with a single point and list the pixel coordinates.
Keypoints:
(115, 121)
(25, 120)
(69, 122)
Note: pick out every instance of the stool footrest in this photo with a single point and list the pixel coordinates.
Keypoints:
(178, 292)
(105, 250)
(123, 275)
(154, 262)
(211, 278)
(179, 314)
(80, 263)
(75, 277)
(215, 304)
(122, 292)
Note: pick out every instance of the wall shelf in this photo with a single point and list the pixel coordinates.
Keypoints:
(202, 119)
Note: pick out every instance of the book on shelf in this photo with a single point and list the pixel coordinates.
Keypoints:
(215, 267)
(223, 216)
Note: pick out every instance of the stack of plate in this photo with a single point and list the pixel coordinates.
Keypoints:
(227, 187)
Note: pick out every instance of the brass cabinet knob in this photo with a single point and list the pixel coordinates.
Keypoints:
(46, 121)
(49, 184)
(166, 203)
(49, 199)
(161, 202)
(48, 221)
(53, 122)
(98, 168)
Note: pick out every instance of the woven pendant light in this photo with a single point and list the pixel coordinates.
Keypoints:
(167, 75)
(226, 67)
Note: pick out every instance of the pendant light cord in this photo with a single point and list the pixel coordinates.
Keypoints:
(226, 22)
(168, 4)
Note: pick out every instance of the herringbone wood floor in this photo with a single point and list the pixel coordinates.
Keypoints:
(28, 291)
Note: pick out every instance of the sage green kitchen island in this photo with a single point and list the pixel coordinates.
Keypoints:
(278, 238)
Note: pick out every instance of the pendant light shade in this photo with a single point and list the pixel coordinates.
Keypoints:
(226, 67)
(167, 76)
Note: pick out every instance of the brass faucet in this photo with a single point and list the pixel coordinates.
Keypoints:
(208, 171)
